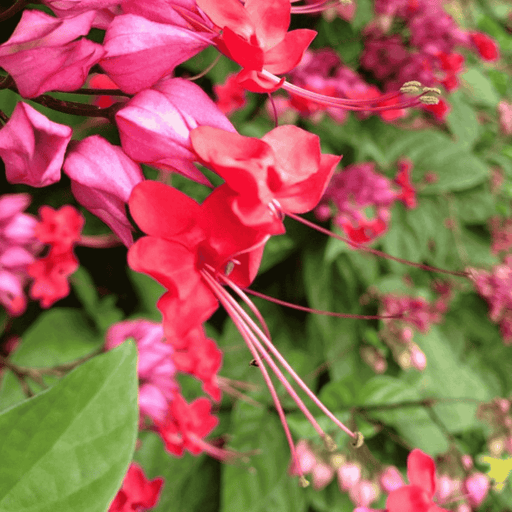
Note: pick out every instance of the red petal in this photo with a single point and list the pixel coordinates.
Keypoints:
(255, 82)
(162, 211)
(421, 471)
(182, 315)
(228, 13)
(243, 52)
(271, 18)
(304, 196)
(408, 499)
(170, 263)
(288, 53)
(241, 161)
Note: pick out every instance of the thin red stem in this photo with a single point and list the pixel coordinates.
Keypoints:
(316, 311)
(381, 254)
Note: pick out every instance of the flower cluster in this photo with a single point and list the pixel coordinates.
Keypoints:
(18, 249)
(429, 56)
(494, 286)
(181, 425)
(60, 229)
(358, 188)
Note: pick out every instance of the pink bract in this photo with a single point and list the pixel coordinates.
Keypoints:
(33, 147)
(102, 179)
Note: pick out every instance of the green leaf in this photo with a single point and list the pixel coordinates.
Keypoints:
(447, 376)
(103, 312)
(462, 121)
(68, 448)
(57, 337)
(265, 485)
(481, 89)
(412, 422)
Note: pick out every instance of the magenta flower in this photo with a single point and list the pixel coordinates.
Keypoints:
(18, 249)
(140, 52)
(40, 38)
(155, 366)
(155, 125)
(32, 147)
(102, 179)
(418, 496)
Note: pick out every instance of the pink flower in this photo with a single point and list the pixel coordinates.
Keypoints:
(155, 125)
(102, 178)
(33, 147)
(18, 249)
(477, 486)
(391, 479)
(137, 492)
(230, 95)
(363, 493)
(322, 474)
(306, 458)
(348, 475)
(139, 52)
(418, 496)
(505, 116)
(40, 38)
(155, 365)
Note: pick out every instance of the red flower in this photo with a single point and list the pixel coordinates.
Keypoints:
(283, 170)
(137, 491)
(186, 239)
(486, 46)
(416, 497)
(255, 36)
(186, 425)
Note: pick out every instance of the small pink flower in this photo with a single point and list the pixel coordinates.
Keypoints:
(155, 366)
(322, 475)
(348, 475)
(305, 456)
(486, 46)
(391, 479)
(32, 147)
(364, 493)
(477, 486)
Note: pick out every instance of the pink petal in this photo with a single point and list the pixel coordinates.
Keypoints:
(228, 13)
(33, 147)
(140, 52)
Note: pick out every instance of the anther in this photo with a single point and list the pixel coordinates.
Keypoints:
(303, 482)
(412, 87)
(329, 443)
(253, 362)
(358, 441)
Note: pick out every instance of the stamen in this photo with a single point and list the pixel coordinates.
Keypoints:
(320, 6)
(375, 252)
(275, 207)
(269, 345)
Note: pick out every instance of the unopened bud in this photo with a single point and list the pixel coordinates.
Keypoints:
(412, 87)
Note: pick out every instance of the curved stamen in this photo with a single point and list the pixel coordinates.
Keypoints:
(275, 208)
(320, 6)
